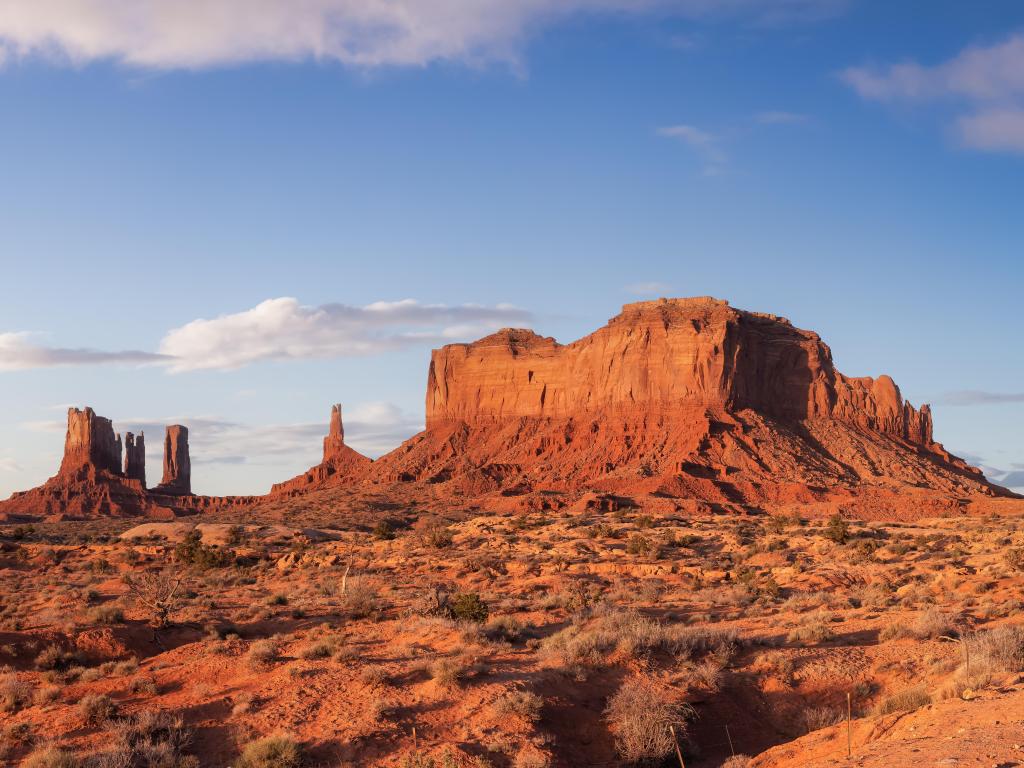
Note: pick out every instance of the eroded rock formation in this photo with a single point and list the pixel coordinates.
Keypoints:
(340, 463)
(135, 457)
(681, 398)
(90, 445)
(91, 482)
(177, 477)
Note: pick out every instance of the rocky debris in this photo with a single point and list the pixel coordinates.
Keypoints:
(135, 457)
(177, 477)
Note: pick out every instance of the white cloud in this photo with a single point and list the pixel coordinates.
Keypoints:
(17, 352)
(704, 143)
(9, 465)
(652, 288)
(986, 82)
(283, 329)
(173, 34)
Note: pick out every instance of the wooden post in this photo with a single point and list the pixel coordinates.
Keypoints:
(415, 744)
(675, 741)
(729, 737)
(849, 725)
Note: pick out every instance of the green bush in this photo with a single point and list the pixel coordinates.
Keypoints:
(469, 607)
(192, 551)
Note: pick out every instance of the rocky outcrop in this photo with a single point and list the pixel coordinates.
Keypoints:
(91, 482)
(340, 464)
(177, 477)
(680, 398)
(659, 357)
(135, 457)
(90, 445)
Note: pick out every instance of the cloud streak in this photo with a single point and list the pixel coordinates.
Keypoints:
(17, 352)
(986, 83)
(706, 144)
(194, 34)
(980, 397)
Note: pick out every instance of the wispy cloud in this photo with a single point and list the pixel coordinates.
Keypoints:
(979, 397)
(707, 145)
(649, 289)
(283, 329)
(9, 465)
(192, 34)
(986, 83)
(18, 352)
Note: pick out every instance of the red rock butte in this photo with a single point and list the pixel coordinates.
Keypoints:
(685, 399)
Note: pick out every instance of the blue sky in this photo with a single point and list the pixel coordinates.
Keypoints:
(339, 186)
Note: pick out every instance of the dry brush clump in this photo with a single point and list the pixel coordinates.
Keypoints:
(641, 715)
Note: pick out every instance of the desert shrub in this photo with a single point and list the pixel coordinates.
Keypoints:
(96, 708)
(504, 628)
(1015, 558)
(641, 545)
(816, 718)
(468, 606)
(736, 761)
(106, 614)
(928, 624)
(276, 751)
(373, 675)
(996, 652)
(640, 713)
(261, 654)
(14, 693)
(150, 739)
(277, 599)
(383, 531)
(448, 672)
(48, 694)
(525, 704)
(815, 628)
(360, 598)
(143, 684)
(54, 657)
(50, 757)
(837, 530)
(322, 648)
(439, 536)
(192, 551)
(906, 700)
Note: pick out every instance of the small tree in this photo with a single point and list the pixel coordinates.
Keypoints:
(837, 530)
(157, 592)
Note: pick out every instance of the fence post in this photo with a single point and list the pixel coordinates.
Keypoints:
(849, 724)
(675, 741)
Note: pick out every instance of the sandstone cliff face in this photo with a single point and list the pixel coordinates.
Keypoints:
(90, 445)
(177, 477)
(660, 357)
(135, 457)
(680, 398)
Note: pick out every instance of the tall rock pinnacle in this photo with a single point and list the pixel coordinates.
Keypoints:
(177, 477)
(335, 440)
(135, 457)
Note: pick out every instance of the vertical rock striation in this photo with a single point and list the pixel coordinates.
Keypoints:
(90, 445)
(135, 457)
(177, 477)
